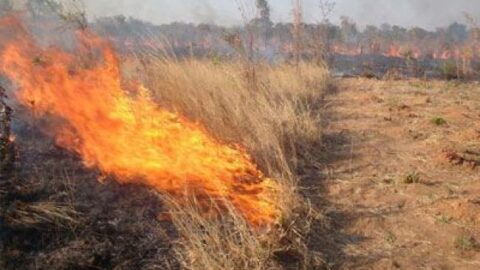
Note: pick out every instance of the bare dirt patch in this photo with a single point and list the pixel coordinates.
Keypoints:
(401, 182)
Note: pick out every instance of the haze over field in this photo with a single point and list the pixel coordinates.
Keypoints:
(424, 13)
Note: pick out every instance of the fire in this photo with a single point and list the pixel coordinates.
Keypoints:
(126, 134)
(394, 51)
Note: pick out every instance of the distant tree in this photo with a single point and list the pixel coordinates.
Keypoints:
(371, 32)
(349, 30)
(474, 32)
(120, 19)
(386, 27)
(263, 22)
(262, 25)
(417, 34)
(298, 29)
(70, 11)
(322, 36)
(457, 32)
(326, 9)
(43, 7)
(264, 8)
(399, 33)
(371, 38)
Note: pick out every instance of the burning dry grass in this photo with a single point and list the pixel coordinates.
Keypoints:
(278, 122)
(274, 121)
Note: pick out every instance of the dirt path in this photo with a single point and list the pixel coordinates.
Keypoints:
(401, 178)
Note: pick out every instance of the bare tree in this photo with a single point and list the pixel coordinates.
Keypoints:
(322, 39)
(326, 9)
(246, 48)
(297, 30)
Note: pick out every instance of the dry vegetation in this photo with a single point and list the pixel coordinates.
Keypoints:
(397, 187)
(55, 215)
(274, 120)
(278, 122)
(378, 174)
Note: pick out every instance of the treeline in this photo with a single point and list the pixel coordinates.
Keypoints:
(265, 36)
(261, 38)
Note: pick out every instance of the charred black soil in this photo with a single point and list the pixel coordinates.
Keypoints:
(57, 215)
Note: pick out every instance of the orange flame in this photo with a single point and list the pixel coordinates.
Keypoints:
(394, 51)
(128, 135)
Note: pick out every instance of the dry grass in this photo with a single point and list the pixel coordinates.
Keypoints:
(278, 121)
(273, 121)
(41, 214)
(225, 242)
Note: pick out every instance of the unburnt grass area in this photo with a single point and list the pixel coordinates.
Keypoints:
(401, 176)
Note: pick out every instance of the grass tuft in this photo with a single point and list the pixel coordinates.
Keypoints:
(464, 243)
(439, 121)
(412, 178)
(41, 214)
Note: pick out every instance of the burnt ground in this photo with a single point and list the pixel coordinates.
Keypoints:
(55, 214)
(399, 183)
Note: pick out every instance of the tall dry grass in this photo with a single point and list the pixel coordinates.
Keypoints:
(224, 242)
(274, 121)
(278, 121)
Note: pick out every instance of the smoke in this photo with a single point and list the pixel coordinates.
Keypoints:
(167, 11)
(428, 14)
(204, 12)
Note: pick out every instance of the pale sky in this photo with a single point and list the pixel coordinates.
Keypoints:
(425, 13)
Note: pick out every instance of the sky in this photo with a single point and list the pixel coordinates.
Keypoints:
(424, 13)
